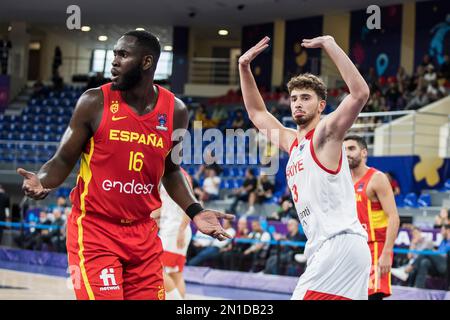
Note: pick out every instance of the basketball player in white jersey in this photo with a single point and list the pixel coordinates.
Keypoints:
(175, 233)
(338, 257)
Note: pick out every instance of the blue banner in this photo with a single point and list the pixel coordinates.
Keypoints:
(262, 65)
(377, 48)
(297, 59)
(432, 31)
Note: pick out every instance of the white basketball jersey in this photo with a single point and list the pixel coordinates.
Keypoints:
(169, 223)
(324, 200)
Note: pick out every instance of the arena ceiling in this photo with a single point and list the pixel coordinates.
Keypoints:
(115, 17)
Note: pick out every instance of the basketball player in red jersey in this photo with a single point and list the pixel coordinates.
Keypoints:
(122, 131)
(377, 212)
(338, 257)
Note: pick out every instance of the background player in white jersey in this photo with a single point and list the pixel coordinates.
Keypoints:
(338, 257)
(175, 233)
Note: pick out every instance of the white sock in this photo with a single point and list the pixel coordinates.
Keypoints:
(173, 295)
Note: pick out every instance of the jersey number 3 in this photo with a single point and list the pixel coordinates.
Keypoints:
(295, 192)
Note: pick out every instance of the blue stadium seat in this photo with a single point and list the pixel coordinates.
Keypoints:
(424, 200)
(447, 185)
(411, 200)
(400, 201)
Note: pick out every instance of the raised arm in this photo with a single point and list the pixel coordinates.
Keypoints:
(339, 121)
(85, 119)
(254, 104)
(330, 132)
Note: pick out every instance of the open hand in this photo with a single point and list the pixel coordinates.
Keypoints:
(32, 187)
(253, 52)
(317, 42)
(208, 223)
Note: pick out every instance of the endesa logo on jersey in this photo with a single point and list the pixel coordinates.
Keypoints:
(127, 187)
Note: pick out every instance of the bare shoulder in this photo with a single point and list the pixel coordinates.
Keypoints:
(91, 100)
(379, 181)
(89, 108)
(180, 115)
(180, 106)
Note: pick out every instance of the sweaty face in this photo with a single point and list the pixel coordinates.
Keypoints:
(305, 106)
(126, 68)
(354, 153)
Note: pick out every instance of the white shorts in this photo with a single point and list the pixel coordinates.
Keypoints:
(169, 241)
(338, 270)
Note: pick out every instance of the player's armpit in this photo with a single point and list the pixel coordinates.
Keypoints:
(85, 120)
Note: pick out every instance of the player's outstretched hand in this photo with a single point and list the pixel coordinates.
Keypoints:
(318, 42)
(253, 52)
(208, 223)
(32, 187)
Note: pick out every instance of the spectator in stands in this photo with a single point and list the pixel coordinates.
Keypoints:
(214, 249)
(200, 117)
(419, 243)
(434, 265)
(61, 204)
(35, 240)
(209, 163)
(57, 236)
(430, 74)
(263, 192)
(420, 100)
(441, 219)
(435, 91)
(280, 260)
(218, 116)
(401, 76)
(372, 79)
(426, 61)
(285, 212)
(243, 193)
(239, 121)
(210, 189)
(257, 253)
(394, 183)
(4, 209)
(231, 256)
(444, 69)
(393, 96)
(284, 102)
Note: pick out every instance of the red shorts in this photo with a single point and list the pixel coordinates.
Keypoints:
(377, 284)
(173, 262)
(110, 260)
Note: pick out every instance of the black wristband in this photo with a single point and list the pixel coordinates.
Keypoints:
(194, 209)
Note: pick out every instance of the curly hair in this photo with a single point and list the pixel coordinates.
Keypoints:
(308, 81)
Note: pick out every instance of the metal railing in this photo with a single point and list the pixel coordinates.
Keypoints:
(385, 134)
(213, 71)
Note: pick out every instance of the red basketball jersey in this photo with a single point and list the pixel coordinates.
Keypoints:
(122, 164)
(370, 213)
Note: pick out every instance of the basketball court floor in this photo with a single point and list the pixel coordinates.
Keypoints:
(26, 282)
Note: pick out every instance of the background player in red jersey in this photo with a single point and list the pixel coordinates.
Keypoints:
(122, 131)
(377, 212)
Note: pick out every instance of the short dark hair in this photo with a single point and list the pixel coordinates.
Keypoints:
(148, 41)
(360, 140)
